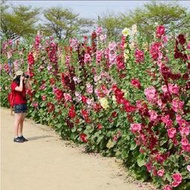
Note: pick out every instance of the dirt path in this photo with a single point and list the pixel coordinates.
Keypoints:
(46, 162)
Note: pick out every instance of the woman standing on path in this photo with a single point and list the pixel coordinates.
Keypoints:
(18, 86)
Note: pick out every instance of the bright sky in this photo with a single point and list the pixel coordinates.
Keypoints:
(91, 9)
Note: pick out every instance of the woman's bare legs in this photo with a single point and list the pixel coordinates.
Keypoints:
(20, 129)
(18, 120)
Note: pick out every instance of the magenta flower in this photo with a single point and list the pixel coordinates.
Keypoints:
(160, 31)
(168, 187)
(139, 56)
(177, 177)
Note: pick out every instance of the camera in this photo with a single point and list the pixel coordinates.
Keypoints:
(25, 76)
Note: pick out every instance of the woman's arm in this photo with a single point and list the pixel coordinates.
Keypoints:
(20, 87)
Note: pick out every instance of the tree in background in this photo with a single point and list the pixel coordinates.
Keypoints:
(63, 23)
(171, 14)
(111, 23)
(18, 20)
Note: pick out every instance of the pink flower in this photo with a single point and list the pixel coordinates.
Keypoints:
(160, 172)
(177, 105)
(87, 58)
(89, 88)
(112, 46)
(160, 31)
(35, 104)
(184, 142)
(98, 56)
(99, 31)
(171, 132)
(67, 97)
(103, 37)
(184, 130)
(153, 115)
(188, 168)
(136, 127)
(150, 93)
(43, 98)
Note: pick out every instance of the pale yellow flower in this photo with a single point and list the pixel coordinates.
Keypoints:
(104, 103)
(125, 31)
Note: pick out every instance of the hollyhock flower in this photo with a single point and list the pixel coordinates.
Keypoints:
(78, 96)
(72, 112)
(150, 93)
(153, 115)
(168, 187)
(67, 97)
(73, 43)
(155, 50)
(89, 88)
(83, 137)
(103, 37)
(184, 142)
(30, 59)
(76, 80)
(165, 39)
(160, 172)
(166, 119)
(87, 58)
(184, 130)
(186, 148)
(160, 31)
(136, 127)
(35, 104)
(181, 39)
(171, 132)
(125, 32)
(177, 177)
(99, 126)
(112, 46)
(139, 56)
(99, 31)
(136, 83)
(99, 54)
(104, 103)
(177, 105)
(188, 168)
(43, 98)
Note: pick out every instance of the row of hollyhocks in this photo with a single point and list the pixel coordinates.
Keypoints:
(120, 99)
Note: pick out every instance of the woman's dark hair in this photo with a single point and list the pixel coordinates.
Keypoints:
(17, 79)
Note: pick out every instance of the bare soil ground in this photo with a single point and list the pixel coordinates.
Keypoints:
(46, 162)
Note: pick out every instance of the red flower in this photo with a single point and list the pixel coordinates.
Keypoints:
(72, 112)
(136, 83)
(83, 137)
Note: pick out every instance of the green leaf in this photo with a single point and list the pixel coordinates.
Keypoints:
(141, 160)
